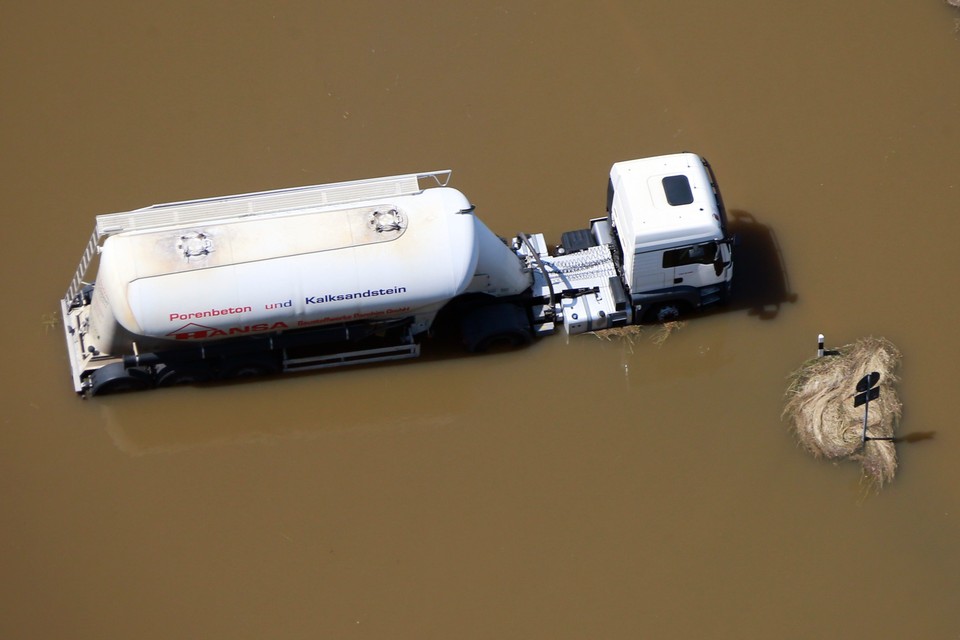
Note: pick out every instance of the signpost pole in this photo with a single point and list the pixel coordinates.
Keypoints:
(867, 390)
(866, 413)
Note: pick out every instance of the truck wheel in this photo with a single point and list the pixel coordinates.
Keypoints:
(250, 367)
(494, 326)
(173, 375)
(113, 378)
(665, 312)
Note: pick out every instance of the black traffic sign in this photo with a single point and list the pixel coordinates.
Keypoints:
(867, 389)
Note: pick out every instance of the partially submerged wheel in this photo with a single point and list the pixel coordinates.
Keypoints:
(665, 312)
(495, 326)
(250, 367)
(114, 378)
(188, 373)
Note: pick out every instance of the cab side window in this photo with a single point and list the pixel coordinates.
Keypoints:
(705, 253)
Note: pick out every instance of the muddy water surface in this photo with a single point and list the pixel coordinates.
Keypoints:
(581, 488)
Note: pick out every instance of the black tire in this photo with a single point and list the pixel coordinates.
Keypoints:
(664, 312)
(114, 378)
(180, 374)
(495, 326)
(251, 367)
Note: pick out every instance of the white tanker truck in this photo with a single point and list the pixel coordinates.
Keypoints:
(362, 271)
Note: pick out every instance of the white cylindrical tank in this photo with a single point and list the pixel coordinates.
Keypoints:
(405, 256)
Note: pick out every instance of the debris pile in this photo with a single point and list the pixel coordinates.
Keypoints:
(820, 407)
(630, 334)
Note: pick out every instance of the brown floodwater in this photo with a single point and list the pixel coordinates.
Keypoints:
(580, 488)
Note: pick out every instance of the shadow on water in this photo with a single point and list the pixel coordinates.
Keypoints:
(916, 436)
(267, 416)
(122, 414)
(760, 283)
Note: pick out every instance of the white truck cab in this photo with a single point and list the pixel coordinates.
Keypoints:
(668, 217)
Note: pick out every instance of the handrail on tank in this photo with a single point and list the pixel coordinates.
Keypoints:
(264, 203)
(446, 173)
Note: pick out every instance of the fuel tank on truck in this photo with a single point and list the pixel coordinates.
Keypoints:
(404, 256)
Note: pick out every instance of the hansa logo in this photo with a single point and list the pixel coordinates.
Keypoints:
(191, 331)
(194, 331)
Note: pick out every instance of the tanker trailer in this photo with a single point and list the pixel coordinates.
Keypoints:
(361, 271)
(285, 280)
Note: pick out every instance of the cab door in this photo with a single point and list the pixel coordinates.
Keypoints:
(692, 265)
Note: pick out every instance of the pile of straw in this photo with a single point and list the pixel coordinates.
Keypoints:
(820, 407)
(630, 334)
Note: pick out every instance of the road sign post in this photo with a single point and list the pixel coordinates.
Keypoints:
(867, 390)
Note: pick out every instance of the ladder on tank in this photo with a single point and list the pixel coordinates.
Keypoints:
(93, 248)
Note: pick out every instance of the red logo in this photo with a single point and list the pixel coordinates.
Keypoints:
(195, 331)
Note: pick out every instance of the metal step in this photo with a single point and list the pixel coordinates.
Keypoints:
(710, 295)
(382, 354)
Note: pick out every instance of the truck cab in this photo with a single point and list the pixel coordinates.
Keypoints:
(670, 226)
